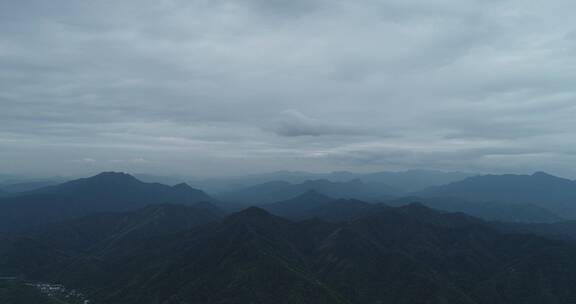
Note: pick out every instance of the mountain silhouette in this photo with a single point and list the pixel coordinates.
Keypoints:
(493, 211)
(313, 204)
(539, 189)
(276, 191)
(410, 254)
(401, 181)
(299, 205)
(105, 192)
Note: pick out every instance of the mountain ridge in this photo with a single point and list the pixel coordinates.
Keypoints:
(540, 189)
(413, 253)
(108, 191)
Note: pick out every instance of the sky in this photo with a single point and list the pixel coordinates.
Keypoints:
(218, 87)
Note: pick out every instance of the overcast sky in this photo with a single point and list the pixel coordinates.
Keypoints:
(211, 87)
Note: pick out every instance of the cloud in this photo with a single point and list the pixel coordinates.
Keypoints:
(293, 124)
(135, 160)
(202, 87)
(85, 160)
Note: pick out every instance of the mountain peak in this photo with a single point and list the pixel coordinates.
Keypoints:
(251, 215)
(542, 174)
(114, 179)
(113, 176)
(256, 220)
(111, 173)
(254, 211)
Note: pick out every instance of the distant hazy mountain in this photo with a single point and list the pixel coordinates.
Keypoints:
(162, 179)
(540, 189)
(107, 191)
(405, 181)
(339, 210)
(492, 211)
(313, 204)
(415, 180)
(27, 186)
(411, 254)
(300, 205)
(277, 191)
(23, 184)
(229, 184)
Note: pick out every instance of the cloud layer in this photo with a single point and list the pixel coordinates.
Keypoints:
(233, 86)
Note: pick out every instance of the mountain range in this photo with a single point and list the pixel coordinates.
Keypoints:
(313, 204)
(118, 240)
(553, 193)
(108, 191)
(410, 254)
(492, 210)
(275, 191)
(403, 181)
(24, 186)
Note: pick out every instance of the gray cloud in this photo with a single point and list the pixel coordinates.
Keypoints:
(202, 87)
(292, 123)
